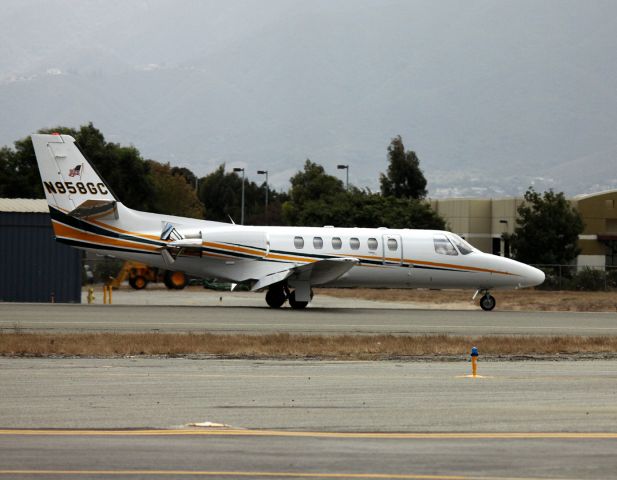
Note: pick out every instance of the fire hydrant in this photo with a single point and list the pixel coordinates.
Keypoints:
(91, 296)
(474, 360)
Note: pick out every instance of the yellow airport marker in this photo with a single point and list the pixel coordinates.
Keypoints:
(474, 361)
(106, 290)
(474, 365)
(91, 295)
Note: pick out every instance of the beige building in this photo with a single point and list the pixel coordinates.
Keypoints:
(483, 222)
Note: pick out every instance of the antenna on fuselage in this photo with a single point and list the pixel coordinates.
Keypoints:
(231, 219)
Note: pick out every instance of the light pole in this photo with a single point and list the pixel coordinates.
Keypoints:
(238, 169)
(345, 167)
(265, 172)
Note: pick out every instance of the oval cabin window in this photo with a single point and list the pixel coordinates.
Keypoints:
(337, 243)
(298, 242)
(392, 244)
(372, 244)
(354, 243)
(317, 242)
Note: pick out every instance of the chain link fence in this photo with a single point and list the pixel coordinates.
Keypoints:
(572, 277)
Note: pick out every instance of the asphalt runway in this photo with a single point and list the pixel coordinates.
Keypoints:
(318, 320)
(241, 456)
(307, 419)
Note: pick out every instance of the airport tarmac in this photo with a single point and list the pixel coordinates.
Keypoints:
(255, 319)
(303, 419)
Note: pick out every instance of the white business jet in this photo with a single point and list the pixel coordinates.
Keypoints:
(287, 261)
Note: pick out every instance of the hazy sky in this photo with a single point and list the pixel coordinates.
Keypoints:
(493, 95)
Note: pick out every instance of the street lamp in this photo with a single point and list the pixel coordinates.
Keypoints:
(238, 169)
(265, 172)
(345, 167)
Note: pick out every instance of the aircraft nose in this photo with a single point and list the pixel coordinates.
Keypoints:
(533, 276)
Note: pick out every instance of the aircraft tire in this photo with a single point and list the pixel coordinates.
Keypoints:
(174, 280)
(487, 302)
(294, 304)
(275, 297)
(138, 282)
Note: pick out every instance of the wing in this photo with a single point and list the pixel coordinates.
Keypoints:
(316, 273)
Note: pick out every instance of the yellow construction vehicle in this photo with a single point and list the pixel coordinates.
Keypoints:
(140, 274)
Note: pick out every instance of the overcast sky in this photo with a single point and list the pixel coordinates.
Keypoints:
(493, 95)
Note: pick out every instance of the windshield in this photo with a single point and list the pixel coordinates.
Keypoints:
(461, 244)
(443, 246)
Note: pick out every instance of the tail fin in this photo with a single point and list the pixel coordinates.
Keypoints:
(71, 183)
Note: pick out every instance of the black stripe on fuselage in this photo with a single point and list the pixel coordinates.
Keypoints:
(98, 246)
(80, 224)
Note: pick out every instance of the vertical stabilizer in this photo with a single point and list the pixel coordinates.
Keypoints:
(70, 182)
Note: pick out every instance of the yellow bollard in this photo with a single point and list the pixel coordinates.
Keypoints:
(104, 294)
(109, 289)
(474, 361)
(91, 295)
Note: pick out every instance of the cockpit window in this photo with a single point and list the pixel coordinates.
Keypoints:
(461, 244)
(443, 246)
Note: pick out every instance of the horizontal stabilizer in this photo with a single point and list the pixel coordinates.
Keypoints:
(99, 208)
(185, 243)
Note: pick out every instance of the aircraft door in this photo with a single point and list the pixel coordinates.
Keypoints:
(392, 250)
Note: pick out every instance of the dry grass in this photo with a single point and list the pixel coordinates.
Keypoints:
(343, 347)
(527, 299)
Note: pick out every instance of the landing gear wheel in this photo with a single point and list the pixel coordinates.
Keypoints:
(275, 298)
(138, 282)
(487, 302)
(174, 280)
(295, 304)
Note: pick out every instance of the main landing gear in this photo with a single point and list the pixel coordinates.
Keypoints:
(487, 301)
(279, 293)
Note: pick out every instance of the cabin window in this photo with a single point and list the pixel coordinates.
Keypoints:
(337, 243)
(461, 244)
(372, 244)
(392, 244)
(317, 242)
(443, 246)
(298, 242)
(354, 243)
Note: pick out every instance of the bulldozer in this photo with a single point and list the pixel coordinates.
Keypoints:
(140, 274)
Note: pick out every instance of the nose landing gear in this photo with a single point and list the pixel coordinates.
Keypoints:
(487, 302)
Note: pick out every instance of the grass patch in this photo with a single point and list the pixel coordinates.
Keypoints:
(286, 346)
(526, 299)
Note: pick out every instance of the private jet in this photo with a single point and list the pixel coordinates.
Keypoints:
(286, 262)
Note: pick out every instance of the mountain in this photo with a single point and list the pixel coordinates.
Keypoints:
(493, 96)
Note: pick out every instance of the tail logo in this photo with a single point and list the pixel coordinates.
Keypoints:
(77, 171)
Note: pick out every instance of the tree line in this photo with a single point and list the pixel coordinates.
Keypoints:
(314, 198)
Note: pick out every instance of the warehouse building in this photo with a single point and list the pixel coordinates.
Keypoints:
(487, 223)
(35, 268)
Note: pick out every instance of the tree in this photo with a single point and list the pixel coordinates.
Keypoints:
(404, 178)
(172, 194)
(547, 229)
(221, 194)
(315, 198)
(318, 199)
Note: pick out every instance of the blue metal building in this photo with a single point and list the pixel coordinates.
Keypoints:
(33, 266)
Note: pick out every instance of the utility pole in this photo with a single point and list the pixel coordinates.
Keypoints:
(345, 167)
(238, 169)
(265, 172)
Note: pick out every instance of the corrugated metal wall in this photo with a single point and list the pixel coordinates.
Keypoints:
(33, 266)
